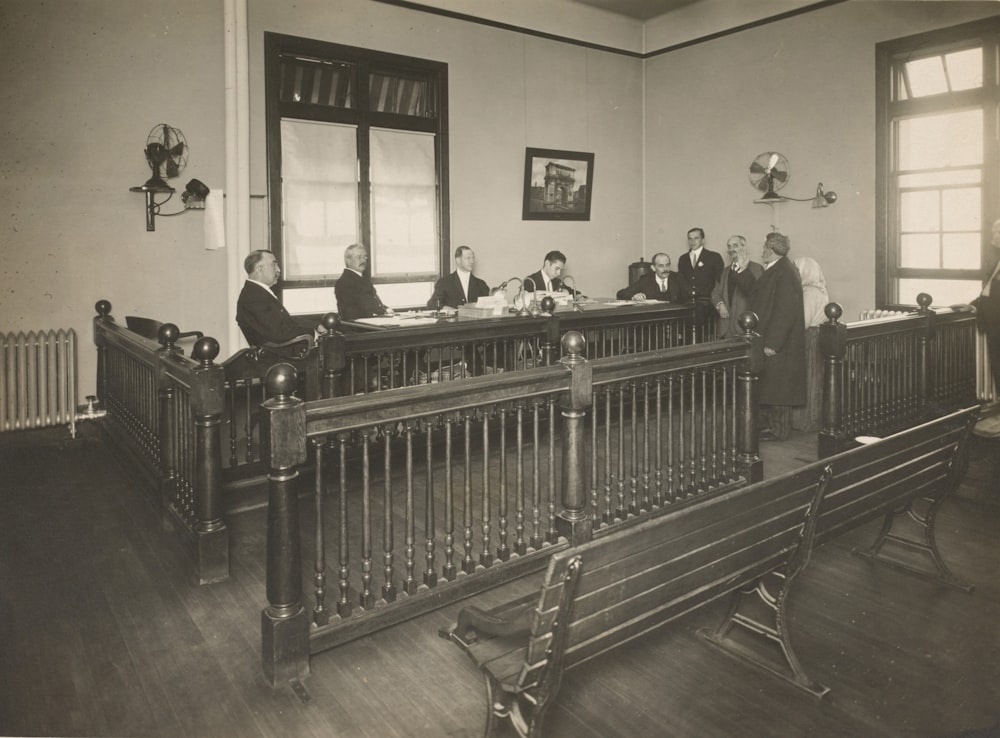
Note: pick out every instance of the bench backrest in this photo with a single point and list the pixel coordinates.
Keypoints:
(641, 576)
(882, 476)
(638, 577)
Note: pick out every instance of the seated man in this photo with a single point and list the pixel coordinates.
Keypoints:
(356, 295)
(461, 286)
(259, 313)
(548, 278)
(659, 284)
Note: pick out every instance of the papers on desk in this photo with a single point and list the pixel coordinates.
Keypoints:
(400, 320)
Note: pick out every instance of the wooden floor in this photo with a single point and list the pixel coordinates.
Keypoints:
(101, 634)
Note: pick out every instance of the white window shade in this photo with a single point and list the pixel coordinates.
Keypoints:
(404, 203)
(319, 179)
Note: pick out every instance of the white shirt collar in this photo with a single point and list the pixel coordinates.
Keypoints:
(360, 274)
(463, 278)
(264, 286)
(695, 255)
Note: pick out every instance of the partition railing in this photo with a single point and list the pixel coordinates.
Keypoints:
(164, 411)
(883, 375)
(377, 360)
(426, 495)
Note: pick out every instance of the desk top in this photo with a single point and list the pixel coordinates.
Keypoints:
(415, 318)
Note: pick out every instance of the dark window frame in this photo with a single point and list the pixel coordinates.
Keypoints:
(363, 62)
(888, 55)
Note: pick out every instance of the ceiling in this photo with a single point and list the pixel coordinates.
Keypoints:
(641, 9)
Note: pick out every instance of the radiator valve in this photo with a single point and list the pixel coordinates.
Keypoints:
(89, 412)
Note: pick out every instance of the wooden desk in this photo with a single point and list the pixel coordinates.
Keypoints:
(403, 350)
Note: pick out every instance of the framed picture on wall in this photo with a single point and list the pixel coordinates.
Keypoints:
(557, 184)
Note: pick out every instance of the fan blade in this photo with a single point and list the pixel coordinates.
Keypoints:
(779, 175)
(757, 168)
(178, 149)
(774, 160)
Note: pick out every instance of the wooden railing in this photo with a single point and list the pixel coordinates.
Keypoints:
(164, 411)
(425, 495)
(376, 360)
(880, 376)
(350, 363)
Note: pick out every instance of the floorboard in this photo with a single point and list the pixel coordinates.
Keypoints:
(103, 634)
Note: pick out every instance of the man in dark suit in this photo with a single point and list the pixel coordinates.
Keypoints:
(776, 298)
(259, 313)
(461, 287)
(702, 269)
(356, 295)
(549, 277)
(730, 301)
(659, 284)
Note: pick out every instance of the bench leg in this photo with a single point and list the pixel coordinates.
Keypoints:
(773, 633)
(922, 541)
(504, 705)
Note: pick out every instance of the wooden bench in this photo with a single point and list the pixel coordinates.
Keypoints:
(904, 478)
(750, 542)
(624, 584)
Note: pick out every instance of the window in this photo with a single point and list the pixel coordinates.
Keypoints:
(356, 154)
(937, 162)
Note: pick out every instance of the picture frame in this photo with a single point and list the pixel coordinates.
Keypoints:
(558, 184)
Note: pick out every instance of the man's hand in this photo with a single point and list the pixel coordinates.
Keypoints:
(723, 310)
(769, 351)
(639, 297)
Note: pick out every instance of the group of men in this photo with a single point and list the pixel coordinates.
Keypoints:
(718, 292)
(721, 294)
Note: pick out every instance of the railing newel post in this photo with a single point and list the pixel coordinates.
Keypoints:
(574, 520)
(748, 462)
(284, 622)
(208, 392)
(833, 349)
(333, 357)
(926, 389)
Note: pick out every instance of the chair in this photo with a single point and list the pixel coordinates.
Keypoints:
(149, 328)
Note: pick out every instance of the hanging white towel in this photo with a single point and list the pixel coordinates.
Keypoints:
(215, 220)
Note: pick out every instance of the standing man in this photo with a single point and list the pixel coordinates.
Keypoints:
(702, 269)
(259, 312)
(729, 299)
(356, 295)
(549, 277)
(461, 287)
(777, 299)
(659, 284)
(988, 310)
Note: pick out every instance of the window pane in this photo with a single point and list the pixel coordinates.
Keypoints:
(316, 82)
(320, 197)
(942, 140)
(960, 209)
(392, 92)
(944, 291)
(965, 69)
(961, 250)
(926, 76)
(920, 251)
(404, 203)
(919, 211)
